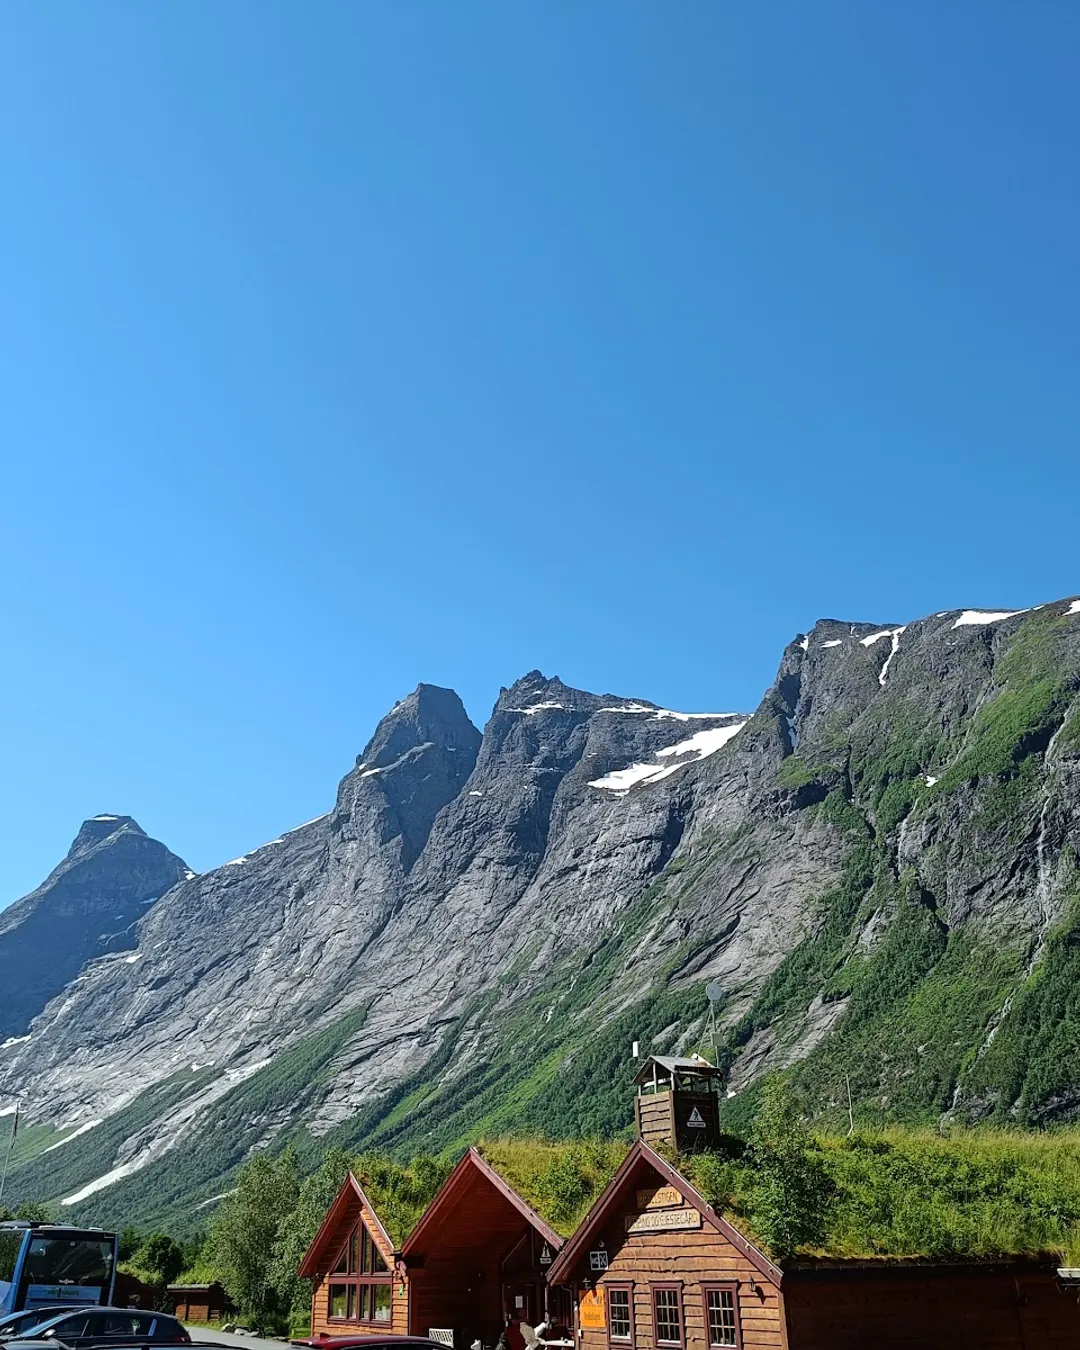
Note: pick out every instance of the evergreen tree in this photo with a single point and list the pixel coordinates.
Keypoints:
(161, 1258)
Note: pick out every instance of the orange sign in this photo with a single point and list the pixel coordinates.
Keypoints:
(591, 1311)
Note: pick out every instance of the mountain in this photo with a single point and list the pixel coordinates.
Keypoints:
(87, 906)
(879, 869)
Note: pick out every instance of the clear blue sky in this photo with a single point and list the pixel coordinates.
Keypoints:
(347, 345)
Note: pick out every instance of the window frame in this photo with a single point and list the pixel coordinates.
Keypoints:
(666, 1286)
(725, 1287)
(360, 1249)
(620, 1287)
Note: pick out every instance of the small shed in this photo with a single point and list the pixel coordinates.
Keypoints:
(478, 1256)
(359, 1285)
(198, 1302)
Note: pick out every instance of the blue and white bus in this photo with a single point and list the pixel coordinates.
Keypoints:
(47, 1264)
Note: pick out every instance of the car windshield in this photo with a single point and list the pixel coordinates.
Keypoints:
(68, 1261)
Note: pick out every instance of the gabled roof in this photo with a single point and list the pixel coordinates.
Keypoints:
(675, 1064)
(349, 1197)
(641, 1154)
(455, 1187)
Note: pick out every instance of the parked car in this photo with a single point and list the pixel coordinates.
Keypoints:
(19, 1323)
(379, 1341)
(93, 1327)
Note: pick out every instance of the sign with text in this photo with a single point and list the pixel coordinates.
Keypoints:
(591, 1311)
(659, 1197)
(663, 1221)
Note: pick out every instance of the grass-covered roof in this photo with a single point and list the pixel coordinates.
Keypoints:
(560, 1180)
(904, 1194)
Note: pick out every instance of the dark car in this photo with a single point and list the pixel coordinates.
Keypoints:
(91, 1327)
(20, 1323)
(369, 1342)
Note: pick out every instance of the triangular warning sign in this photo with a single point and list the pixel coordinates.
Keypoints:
(696, 1120)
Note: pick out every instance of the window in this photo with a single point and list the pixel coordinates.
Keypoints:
(380, 1303)
(620, 1313)
(122, 1324)
(363, 1291)
(722, 1315)
(667, 1313)
(80, 1325)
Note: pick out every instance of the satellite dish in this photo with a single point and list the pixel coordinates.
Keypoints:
(713, 992)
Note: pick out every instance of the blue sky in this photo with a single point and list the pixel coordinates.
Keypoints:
(344, 346)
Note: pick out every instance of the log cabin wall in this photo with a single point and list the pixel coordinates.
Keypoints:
(933, 1308)
(655, 1118)
(691, 1262)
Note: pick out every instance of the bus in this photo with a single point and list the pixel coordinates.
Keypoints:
(47, 1264)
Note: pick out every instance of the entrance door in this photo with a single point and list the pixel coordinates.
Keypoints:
(521, 1302)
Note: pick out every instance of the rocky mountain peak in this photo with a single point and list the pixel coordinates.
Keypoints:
(429, 715)
(112, 871)
(98, 828)
(537, 693)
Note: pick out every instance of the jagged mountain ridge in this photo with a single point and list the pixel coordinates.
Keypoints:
(472, 935)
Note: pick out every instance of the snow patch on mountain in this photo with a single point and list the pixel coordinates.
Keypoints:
(697, 747)
(975, 617)
(83, 1129)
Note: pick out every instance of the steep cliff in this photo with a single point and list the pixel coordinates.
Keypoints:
(879, 868)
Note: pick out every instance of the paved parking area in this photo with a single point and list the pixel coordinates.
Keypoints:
(228, 1338)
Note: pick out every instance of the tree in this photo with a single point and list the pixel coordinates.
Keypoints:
(130, 1242)
(33, 1212)
(161, 1258)
(789, 1191)
(245, 1231)
(299, 1227)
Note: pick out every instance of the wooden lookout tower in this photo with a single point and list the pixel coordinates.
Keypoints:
(677, 1103)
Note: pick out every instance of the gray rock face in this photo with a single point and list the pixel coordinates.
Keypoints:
(86, 906)
(873, 868)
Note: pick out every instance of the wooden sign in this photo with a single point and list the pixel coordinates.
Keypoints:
(662, 1197)
(591, 1310)
(663, 1221)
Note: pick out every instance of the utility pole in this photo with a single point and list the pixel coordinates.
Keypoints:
(11, 1146)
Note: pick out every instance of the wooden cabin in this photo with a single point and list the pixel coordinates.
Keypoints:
(198, 1302)
(654, 1267)
(478, 1256)
(358, 1283)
